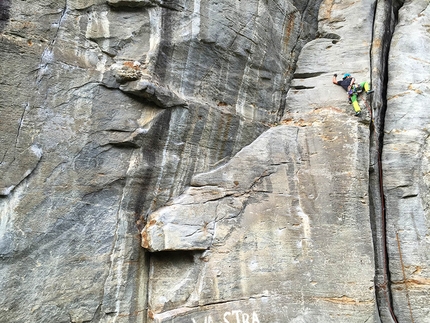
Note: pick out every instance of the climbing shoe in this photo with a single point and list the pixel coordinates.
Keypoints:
(349, 101)
(357, 114)
(370, 92)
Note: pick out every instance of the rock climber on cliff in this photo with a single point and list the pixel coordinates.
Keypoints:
(348, 83)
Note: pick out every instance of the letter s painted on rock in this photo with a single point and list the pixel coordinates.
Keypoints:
(240, 316)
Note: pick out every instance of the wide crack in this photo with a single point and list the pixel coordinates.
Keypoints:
(385, 19)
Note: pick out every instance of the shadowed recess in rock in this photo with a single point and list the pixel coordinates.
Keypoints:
(4, 13)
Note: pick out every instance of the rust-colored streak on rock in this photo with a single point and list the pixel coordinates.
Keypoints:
(131, 65)
(377, 43)
(150, 314)
(326, 9)
(299, 123)
(223, 133)
(289, 27)
(145, 239)
(145, 242)
(411, 283)
(345, 300)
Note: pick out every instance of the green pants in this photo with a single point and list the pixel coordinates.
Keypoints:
(365, 86)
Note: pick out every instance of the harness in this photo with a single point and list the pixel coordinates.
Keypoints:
(355, 89)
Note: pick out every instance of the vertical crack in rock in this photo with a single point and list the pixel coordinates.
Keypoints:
(126, 262)
(21, 121)
(115, 262)
(385, 19)
(47, 57)
(25, 160)
(63, 14)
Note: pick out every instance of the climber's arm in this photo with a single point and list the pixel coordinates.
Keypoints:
(350, 84)
(334, 79)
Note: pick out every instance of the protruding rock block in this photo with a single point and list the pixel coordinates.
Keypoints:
(161, 96)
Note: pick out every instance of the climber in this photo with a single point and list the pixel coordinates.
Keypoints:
(348, 83)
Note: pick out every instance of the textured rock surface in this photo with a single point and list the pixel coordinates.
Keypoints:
(195, 129)
(406, 163)
(107, 112)
(299, 190)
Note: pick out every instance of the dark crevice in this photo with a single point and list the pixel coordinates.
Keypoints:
(307, 75)
(329, 36)
(409, 196)
(4, 13)
(172, 5)
(97, 315)
(175, 256)
(130, 6)
(302, 87)
(382, 32)
(124, 144)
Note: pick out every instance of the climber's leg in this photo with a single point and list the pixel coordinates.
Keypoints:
(355, 104)
(366, 87)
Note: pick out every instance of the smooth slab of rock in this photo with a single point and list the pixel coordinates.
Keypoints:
(272, 201)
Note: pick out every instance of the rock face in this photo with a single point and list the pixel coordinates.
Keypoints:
(191, 161)
(405, 160)
(268, 198)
